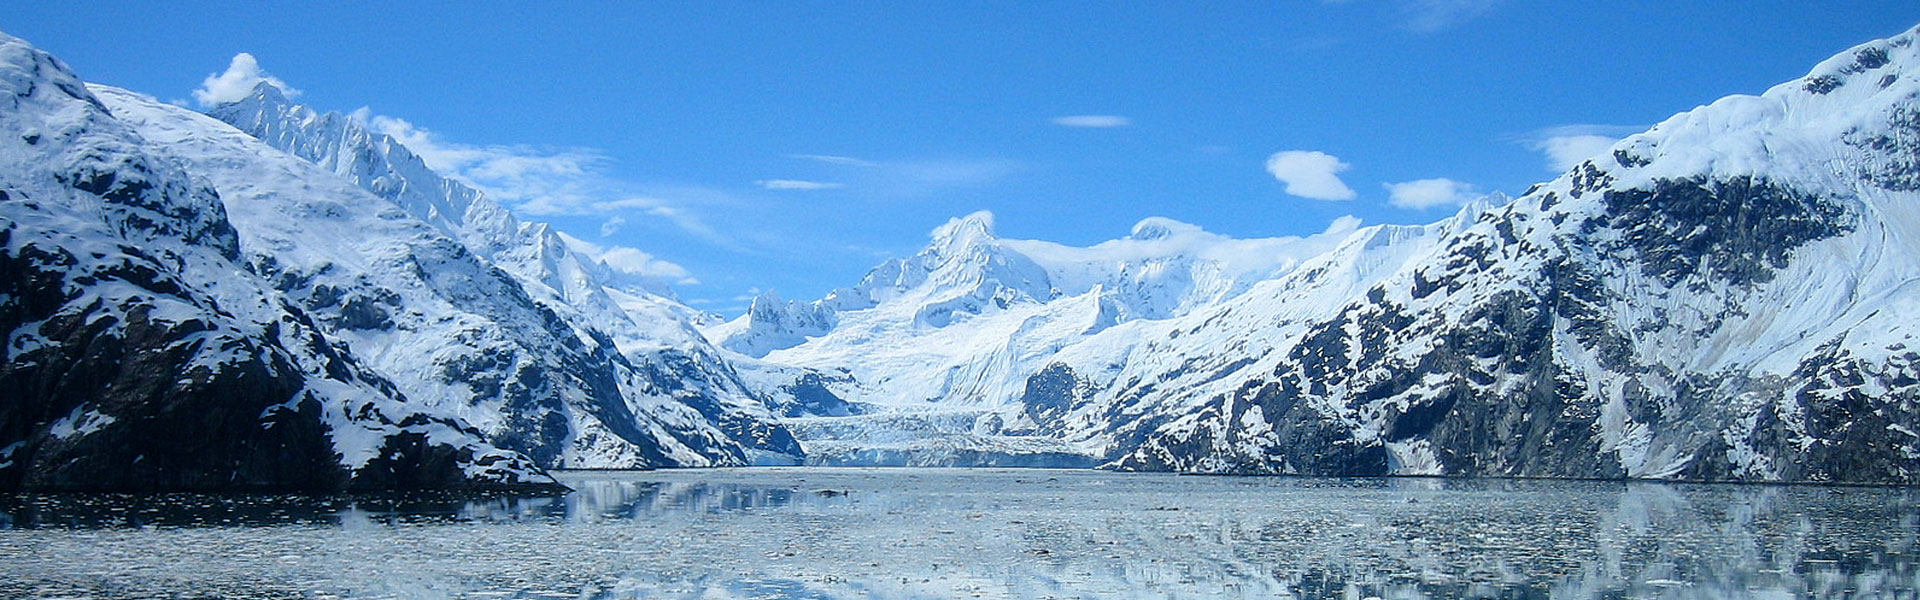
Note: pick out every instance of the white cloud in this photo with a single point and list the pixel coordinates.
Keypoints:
(1565, 152)
(1094, 121)
(797, 184)
(514, 168)
(542, 182)
(1310, 174)
(1342, 225)
(1568, 145)
(632, 262)
(845, 161)
(1423, 194)
(242, 75)
(612, 225)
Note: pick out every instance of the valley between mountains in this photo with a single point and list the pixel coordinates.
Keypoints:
(268, 297)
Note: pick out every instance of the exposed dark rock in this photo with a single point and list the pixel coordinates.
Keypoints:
(112, 404)
(1736, 231)
(812, 398)
(1895, 165)
(1824, 84)
(1049, 396)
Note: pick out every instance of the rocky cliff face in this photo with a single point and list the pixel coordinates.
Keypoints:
(142, 351)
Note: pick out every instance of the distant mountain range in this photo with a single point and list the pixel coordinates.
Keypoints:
(266, 297)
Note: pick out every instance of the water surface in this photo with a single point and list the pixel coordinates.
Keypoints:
(965, 533)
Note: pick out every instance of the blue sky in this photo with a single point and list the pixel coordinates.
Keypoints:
(739, 146)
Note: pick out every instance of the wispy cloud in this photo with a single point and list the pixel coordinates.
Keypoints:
(1310, 174)
(845, 161)
(242, 75)
(691, 223)
(1568, 145)
(797, 184)
(612, 225)
(903, 177)
(546, 182)
(633, 262)
(1428, 16)
(955, 172)
(1566, 151)
(1422, 194)
(1092, 121)
(636, 262)
(734, 304)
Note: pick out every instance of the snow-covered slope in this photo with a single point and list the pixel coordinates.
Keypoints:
(278, 297)
(1729, 295)
(399, 262)
(943, 343)
(143, 353)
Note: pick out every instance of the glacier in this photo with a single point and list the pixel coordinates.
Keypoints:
(1723, 297)
(268, 296)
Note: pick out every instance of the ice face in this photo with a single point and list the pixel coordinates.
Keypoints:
(933, 533)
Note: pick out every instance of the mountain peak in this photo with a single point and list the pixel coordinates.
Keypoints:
(964, 231)
(24, 67)
(766, 301)
(1878, 63)
(1160, 228)
(266, 92)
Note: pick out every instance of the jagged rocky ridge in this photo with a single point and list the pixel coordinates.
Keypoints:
(188, 307)
(634, 384)
(1728, 296)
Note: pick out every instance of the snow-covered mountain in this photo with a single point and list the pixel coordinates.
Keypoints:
(1726, 296)
(644, 388)
(274, 297)
(943, 343)
(429, 336)
(144, 353)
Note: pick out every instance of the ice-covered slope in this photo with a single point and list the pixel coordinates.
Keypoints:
(1729, 295)
(942, 343)
(506, 352)
(142, 351)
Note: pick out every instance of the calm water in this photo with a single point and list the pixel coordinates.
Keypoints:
(904, 533)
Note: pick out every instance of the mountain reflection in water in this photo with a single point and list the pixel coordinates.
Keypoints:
(911, 533)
